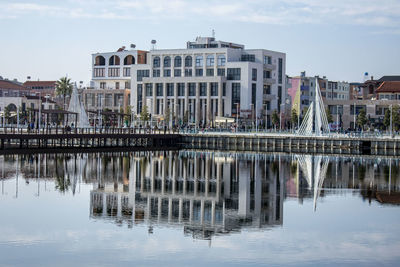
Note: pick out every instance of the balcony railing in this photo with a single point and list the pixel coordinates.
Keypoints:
(269, 80)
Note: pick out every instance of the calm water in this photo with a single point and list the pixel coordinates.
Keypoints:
(194, 209)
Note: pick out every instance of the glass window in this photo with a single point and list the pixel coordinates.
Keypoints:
(167, 62)
(233, 74)
(214, 89)
(280, 70)
(156, 62)
(188, 72)
(254, 74)
(149, 89)
(221, 60)
(170, 89)
(177, 72)
(210, 72)
(127, 72)
(141, 74)
(199, 61)
(210, 60)
(221, 72)
(235, 97)
(188, 61)
(156, 73)
(167, 73)
(203, 89)
(199, 72)
(181, 89)
(192, 89)
(177, 61)
(159, 89)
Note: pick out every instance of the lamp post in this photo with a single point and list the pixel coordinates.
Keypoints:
(354, 116)
(266, 116)
(391, 124)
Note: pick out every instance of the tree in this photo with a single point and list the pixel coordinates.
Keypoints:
(329, 115)
(275, 118)
(64, 88)
(186, 117)
(144, 115)
(361, 118)
(396, 117)
(127, 113)
(167, 116)
(295, 117)
(386, 119)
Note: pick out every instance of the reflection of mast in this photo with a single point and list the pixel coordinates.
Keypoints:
(314, 168)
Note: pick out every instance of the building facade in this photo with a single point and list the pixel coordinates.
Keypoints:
(210, 79)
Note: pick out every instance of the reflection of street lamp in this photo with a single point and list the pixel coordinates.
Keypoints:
(266, 116)
(237, 115)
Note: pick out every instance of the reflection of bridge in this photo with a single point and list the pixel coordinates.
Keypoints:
(206, 195)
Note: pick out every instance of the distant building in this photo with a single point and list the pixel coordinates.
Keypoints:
(388, 90)
(42, 87)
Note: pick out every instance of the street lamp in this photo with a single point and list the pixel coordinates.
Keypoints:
(337, 118)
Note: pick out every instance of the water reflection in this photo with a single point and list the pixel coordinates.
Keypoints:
(205, 193)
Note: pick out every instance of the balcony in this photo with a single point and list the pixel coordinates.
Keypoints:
(270, 66)
(269, 97)
(269, 80)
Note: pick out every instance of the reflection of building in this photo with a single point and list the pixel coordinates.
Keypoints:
(206, 194)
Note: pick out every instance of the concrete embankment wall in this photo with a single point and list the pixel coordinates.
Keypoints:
(292, 144)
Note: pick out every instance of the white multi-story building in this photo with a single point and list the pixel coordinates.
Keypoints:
(338, 90)
(208, 79)
(111, 79)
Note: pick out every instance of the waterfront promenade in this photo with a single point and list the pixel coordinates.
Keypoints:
(147, 138)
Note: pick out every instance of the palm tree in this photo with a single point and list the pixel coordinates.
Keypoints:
(64, 88)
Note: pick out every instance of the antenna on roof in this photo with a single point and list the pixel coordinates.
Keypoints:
(153, 44)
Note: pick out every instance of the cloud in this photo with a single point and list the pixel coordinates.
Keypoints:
(379, 13)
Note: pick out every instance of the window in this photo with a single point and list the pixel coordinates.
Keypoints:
(267, 74)
(170, 89)
(102, 85)
(114, 60)
(108, 100)
(127, 85)
(203, 89)
(253, 94)
(188, 61)
(156, 62)
(156, 73)
(221, 72)
(224, 89)
(233, 74)
(199, 61)
(167, 73)
(127, 72)
(210, 72)
(177, 72)
(192, 89)
(181, 89)
(129, 60)
(139, 91)
(149, 89)
(267, 60)
(199, 72)
(188, 72)
(280, 70)
(214, 89)
(248, 58)
(98, 72)
(221, 60)
(116, 85)
(159, 89)
(267, 89)
(167, 62)
(210, 61)
(141, 74)
(177, 61)
(100, 61)
(254, 74)
(235, 96)
(118, 99)
(113, 72)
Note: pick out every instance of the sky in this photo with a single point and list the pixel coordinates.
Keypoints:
(340, 39)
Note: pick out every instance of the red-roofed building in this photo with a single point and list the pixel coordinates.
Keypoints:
(389, 90)
(10, 88)
(41, 87)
